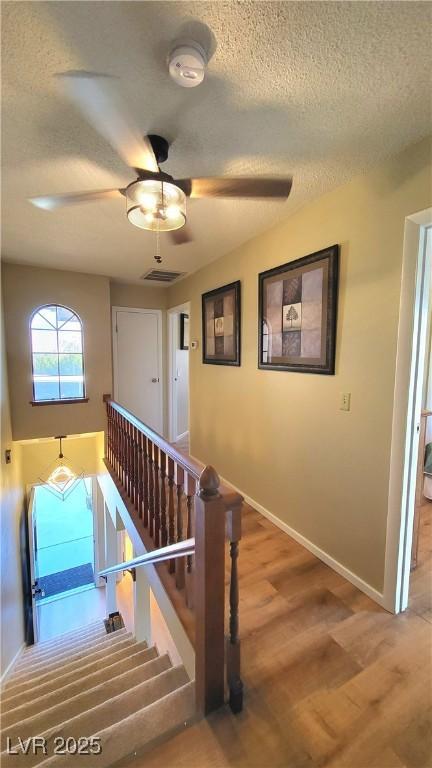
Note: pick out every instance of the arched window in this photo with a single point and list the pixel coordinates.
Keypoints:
(57, 354)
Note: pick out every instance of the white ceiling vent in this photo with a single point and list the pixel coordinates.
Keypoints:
(161, 276)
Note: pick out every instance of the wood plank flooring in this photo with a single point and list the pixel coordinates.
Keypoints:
(331, 679)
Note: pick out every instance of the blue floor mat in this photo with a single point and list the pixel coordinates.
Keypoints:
(65, 580)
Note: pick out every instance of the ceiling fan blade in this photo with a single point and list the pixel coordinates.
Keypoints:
(100, 103)
(52, 202)
(276, 187)
(181, 236)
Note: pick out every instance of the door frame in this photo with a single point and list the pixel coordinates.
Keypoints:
(408, 391)
(32, 555)
(173, 330)
(159, 315)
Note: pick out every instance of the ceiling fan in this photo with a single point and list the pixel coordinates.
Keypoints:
(154, 200)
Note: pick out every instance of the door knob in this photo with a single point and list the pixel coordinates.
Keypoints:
(155, 381)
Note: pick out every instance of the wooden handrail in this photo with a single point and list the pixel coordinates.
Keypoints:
(172, 496)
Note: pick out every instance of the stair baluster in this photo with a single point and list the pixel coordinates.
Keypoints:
(156, 536)
(190, 494)
(235, 684)
(171, 521)
(128, 462)
(151, 489)
(122, 453)
(179, 563)
(145, 481)
(132, 465)
(139, 438)
(164, 531)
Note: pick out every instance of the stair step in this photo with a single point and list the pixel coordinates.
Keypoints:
(85, 629)
(34, 724)
(42, 672)
(40, 650)
(60, 656)
(131, 734)
(40, 702)
(106, 714)
(60, 680)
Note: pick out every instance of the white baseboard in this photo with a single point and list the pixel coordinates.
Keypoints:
(9, 667)
(370, 591)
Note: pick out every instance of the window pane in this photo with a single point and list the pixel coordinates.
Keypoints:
(71, 386)
(72, 325)
(71, 365)
(46, 388)
(56, 338)
(69, 341)
(44, 341)
(63, 315)
(45, 363)
(39, 322)
(49, 313)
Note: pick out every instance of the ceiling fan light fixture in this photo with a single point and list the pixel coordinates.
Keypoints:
(155, 205)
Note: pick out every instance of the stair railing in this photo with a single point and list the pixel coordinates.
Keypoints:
(178, 500)
(161, 555)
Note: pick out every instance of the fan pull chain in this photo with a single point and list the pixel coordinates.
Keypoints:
(158, 256)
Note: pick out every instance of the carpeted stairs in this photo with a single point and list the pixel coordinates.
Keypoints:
(91, 684)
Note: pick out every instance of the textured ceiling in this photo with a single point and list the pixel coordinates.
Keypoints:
(321, 90)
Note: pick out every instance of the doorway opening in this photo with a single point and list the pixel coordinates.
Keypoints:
(63, 542)
(420, 587)
(178, 379)
(408, 564)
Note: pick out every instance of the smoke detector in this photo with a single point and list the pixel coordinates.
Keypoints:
(186, 64)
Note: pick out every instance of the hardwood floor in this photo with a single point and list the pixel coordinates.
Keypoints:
(421, 581)
(331, 679)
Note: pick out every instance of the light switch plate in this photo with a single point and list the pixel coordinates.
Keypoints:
(345, 401)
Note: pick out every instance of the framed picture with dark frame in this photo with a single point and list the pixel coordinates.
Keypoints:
(297, 314)
(184, 331)
(221, 325)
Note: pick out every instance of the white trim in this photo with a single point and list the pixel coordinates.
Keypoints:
(373, 593)
(173, 329)
(11, 664)
(416, 268)
(142, 311)
(182, 436)
(33, 563)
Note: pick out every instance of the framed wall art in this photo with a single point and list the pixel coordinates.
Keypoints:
(221, 325)
(297, 314)
(184, 331)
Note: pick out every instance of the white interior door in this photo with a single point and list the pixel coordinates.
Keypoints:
(137, 335)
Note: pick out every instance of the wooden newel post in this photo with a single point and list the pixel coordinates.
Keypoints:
(209, 593)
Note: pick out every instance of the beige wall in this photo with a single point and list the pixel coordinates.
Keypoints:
(280, 437)
(11, 509)
(143, 296)
(83, 451)
(25, 289)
